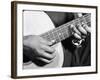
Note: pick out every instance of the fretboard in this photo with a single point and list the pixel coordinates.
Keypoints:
(62, 32)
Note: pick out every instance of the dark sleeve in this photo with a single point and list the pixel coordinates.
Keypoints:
(85, 52)
(28, 54)
(77, 56)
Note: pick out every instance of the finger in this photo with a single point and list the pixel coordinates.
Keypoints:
(46, 42)
(82, 30)
(71, 27)
(88, 29)
(75, 30)
(53, 41)
(44, 60)
(47, 48)
(46, 55)
(77, 36)
(79, 14)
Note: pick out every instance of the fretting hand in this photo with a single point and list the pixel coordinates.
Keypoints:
(80, 31)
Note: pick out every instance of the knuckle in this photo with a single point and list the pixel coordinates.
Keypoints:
(50, 43)
(51, 49)
(40, 53)
(42, 46)
(45, 41)
(53, 55)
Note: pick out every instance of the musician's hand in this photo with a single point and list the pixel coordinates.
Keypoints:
(80, 31)
(42, 48)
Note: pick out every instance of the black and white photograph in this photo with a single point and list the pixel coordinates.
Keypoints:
(53, 39)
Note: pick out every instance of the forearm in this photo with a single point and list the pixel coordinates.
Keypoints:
(27, 50)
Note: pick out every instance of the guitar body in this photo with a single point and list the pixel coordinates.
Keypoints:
(37, 23)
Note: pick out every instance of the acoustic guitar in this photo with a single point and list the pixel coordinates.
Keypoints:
(39, 23)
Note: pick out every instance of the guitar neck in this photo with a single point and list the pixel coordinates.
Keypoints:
(62, 32)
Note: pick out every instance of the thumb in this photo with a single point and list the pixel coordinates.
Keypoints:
(79, 15)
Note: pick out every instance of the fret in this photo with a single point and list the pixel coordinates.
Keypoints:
(56, 35)
(68, 24)
(48, 36)
(62, 32)
(58, 39)
(60, 36)
(88, 20)
(66, 29)
(77, 22)
(67, 32)
(45, 35)
(51, 35)
(89, 24)
(83, 20)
